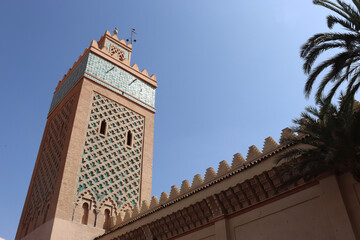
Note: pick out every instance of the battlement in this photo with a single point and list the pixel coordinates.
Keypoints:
(107, 62)
(111, 46)
(211, 177)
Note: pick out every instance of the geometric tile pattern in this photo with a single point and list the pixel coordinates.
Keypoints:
(112, 76)
(121, 79)
(69, 83)
(49, 160)
(110, 169)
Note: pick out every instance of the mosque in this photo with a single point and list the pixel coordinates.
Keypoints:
(93, 174)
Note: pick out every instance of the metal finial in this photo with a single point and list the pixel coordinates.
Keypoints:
(131, 36)
(115, 31)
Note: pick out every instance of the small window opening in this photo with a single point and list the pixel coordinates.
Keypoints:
(129, 138)
(85, 216)
(103, 127)
(107, 220)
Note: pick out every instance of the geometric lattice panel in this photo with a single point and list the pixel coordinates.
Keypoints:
(48, 164)
(111, 43)
(110, 170)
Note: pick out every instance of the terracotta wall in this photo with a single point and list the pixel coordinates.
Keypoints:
(328, 210)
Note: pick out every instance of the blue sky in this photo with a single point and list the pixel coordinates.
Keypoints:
(229, 75)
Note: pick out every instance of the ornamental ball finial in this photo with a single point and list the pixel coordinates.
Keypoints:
(115, 31)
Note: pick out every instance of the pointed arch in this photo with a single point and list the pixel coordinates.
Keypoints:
(106, 225)
(85, 213)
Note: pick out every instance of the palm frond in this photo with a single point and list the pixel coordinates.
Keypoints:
(331, 142)
(357, 4)
(313, 54)
(341, 67)
(332, 6)
(332, 20)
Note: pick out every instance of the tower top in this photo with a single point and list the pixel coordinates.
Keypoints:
(115, 40)
(114, 55)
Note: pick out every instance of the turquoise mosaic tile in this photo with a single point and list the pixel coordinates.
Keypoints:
(113, 77)
(121, 79)
(69, 83)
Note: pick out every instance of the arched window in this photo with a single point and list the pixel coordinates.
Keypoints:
(107, 220)
(129, 138)
(103, 127)
(85, 216)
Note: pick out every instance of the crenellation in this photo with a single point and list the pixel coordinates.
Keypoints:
(154, 202)
(135, 67)
(128, 214)
(135, 211)
(59, 84)
(210, 174)
(164, 197)
(285, 134)
(120, 218)
(115, 53)
(144, 206)
(238, 161)
(174, 192)
(197, 181)
(145, 72)
(269, 145)
(185, 187)
(223, 168)
(70, 70)
(253, 153)
(153, 77)
(94, 43)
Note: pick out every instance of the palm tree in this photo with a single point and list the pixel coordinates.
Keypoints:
(344, 66)
(328, 141)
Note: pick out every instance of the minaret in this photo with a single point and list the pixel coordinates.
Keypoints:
(95, 157)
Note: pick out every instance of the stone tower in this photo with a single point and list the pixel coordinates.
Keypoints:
(95, 157)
